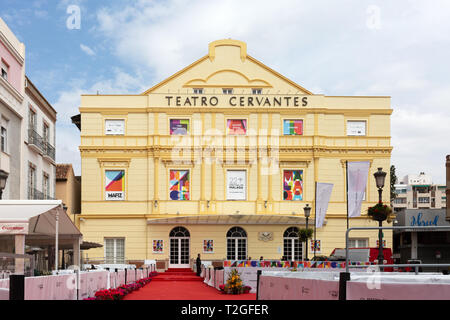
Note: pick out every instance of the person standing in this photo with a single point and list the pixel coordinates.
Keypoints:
(198, 263)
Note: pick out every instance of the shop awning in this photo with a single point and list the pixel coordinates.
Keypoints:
(36, 217)
(234, 219)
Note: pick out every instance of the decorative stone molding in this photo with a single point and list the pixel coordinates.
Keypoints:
(265, 236)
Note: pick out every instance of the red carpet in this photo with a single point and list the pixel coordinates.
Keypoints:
(182, 284)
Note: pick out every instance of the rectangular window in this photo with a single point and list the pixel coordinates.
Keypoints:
(227, 91)
(115, 250)
(198, 91)
(179, 185)
(358, 243)
(293, 185)
(32, 182)
(5, 70)
(46, 133)
(114, 185)
(45, 186)
(4, 139)
(236, 185)
(114, 127)
(293, 127)
(179, 126)
(256, 91)
(32, 119)
(424, 200)
(237, 127)
(356, 128)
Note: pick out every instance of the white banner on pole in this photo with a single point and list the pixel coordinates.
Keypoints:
(357, 174)
(323, 194)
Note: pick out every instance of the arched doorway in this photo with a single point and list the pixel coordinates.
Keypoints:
(179, 248)
(292, 247)
(236, 244)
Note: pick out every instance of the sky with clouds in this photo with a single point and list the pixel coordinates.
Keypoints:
(388, 48)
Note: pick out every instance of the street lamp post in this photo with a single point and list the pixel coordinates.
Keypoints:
(307, 210)
(380, 176)
(3, 178)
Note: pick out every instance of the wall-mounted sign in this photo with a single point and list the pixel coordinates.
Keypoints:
(158, 246)
(265, 236)
(237, 101)
(179, 185)
(315, 246)
(236, 185)
(208, 246)
(293, 127)
(293, 185)
(356, 128)
(237, 126)
(115, 185)
(13, 228)
(179, 126)
(114, 127)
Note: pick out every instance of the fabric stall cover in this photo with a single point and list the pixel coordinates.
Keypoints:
(4, 294)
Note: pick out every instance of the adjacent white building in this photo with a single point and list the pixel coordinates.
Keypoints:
(419, 192)
(27, 127)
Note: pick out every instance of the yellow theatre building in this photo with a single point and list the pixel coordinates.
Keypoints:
(220, 159)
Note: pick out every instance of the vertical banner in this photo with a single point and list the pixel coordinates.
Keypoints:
(357, 174)
(323, 194)
(236, 185)
(179, 184)
(293, 185)
(114, 185)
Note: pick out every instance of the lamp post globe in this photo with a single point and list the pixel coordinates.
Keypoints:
(307, 210)
(380, 176)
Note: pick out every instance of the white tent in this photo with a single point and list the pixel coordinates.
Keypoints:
(39, 221)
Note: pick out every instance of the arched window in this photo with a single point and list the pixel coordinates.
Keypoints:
(179, 247)
(292, 247)
(179, 232)
(236, 244)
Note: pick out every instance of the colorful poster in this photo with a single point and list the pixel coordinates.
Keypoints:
(293, 127)
(179, 185)
(158, 246)
(236, 185)
(179, 126)
(315, 247)
(293, 185)
(114, 185)
(208, 246)
(237, 126)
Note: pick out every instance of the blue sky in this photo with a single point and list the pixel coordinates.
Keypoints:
(394, 48)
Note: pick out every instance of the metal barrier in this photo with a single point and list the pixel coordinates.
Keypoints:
(345, 276)
(347, 266)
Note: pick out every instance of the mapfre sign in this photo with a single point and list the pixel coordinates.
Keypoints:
(13, 228)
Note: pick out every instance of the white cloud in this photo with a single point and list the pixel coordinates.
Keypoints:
(87, 50)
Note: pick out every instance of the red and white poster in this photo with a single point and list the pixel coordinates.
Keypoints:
(13, 228)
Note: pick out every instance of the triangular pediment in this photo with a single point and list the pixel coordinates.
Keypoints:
(228, 65)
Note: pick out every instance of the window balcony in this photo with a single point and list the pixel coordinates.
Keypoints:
(35, 141)
(35, 194)
(49, 152)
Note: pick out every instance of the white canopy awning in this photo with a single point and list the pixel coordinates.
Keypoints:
(234, 219)
(40, 215)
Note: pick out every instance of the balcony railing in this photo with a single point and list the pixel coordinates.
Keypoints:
(49, 150)
(35, 139)
(35, 194)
